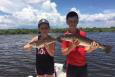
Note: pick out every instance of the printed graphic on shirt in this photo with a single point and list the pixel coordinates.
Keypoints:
(41, 51)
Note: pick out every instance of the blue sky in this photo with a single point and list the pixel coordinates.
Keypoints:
(85, 6)
(27, 13)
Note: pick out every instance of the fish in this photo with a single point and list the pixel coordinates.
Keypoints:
(40, 43)
(84, 41)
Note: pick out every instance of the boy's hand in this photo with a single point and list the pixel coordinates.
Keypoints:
(75, 43)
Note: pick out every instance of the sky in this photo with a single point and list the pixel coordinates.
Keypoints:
(27, 13)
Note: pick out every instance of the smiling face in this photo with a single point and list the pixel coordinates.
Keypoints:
(72, 22)
(44, 29)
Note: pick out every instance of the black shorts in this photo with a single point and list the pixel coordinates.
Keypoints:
(44, 68)
(74, 71)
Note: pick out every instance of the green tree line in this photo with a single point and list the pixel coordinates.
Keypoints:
(34, 31)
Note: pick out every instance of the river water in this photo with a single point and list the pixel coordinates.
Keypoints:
(16, 62)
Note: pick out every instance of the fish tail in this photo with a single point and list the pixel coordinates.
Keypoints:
(107, 48)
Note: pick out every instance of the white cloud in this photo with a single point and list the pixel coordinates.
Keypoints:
(49, 6)
(5, 19)
(30, 12)
(36, 1)
(11, 6)
(111, 23)
(98, 17)
(27, 13)
(104, 16)
(76, 10)
(103, 19)
(5, 4)
(7, 22)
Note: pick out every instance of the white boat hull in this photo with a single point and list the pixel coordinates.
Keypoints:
(59, 70)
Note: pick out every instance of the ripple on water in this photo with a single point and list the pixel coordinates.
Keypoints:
(15, 62)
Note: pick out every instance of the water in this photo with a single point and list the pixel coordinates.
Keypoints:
(16, 62)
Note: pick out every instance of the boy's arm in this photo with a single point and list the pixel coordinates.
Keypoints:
(67, 49)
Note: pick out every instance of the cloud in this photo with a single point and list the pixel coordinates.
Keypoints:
(49, 6)
(103, 19)
(76, 10)
(35, 1)
(104, 16)
(7, 22)
(30, 12)
(98, 17)
(27, 13)
(11, 6)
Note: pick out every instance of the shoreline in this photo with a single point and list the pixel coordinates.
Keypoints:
(57, 30)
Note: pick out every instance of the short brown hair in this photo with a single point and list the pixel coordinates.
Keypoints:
(72, 14)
